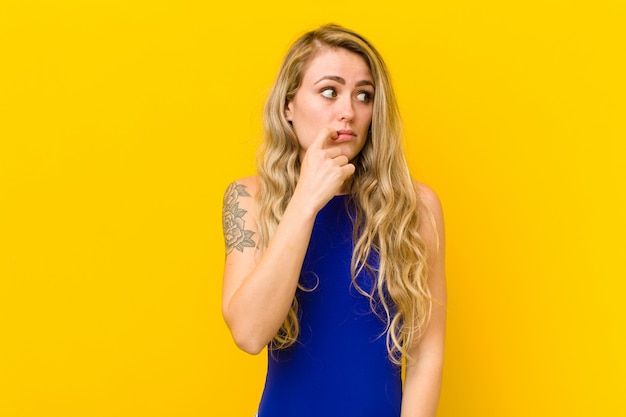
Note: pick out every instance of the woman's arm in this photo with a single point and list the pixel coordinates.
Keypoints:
(259, 286)
(423, 376)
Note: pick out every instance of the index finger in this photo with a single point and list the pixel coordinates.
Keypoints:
(324, 135)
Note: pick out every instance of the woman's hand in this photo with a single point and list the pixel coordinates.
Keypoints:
(324, 171)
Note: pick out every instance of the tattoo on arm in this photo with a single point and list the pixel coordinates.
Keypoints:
(235, 234)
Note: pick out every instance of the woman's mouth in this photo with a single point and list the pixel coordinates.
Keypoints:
(345, 135)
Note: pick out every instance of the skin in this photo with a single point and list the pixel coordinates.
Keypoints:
(331, 114)
(422, 382)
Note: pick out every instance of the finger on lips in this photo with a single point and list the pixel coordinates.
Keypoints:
(323, 137)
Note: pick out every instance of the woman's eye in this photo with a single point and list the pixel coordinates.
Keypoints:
(329, 93)
(364, 96)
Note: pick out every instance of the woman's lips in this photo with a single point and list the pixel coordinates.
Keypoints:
(345, 135)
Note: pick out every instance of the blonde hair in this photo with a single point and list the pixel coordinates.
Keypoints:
(386, 215)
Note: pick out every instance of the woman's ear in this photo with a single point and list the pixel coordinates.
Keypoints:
(289, 110)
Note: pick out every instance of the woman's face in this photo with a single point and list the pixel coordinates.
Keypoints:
(336, 92)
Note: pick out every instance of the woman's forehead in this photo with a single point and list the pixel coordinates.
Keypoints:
(333, 62)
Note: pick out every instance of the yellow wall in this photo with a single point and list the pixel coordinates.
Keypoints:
(121, 123)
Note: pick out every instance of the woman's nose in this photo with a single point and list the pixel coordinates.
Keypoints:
(346, 110)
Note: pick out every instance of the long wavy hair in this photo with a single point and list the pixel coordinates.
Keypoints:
(386, 217)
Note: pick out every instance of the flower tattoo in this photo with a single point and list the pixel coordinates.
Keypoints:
(235, 234)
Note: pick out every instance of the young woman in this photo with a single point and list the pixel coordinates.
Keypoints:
(335, 256)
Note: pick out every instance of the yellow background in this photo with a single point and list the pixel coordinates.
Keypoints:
(122, 122)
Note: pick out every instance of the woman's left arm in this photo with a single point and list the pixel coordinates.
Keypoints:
(422, 382)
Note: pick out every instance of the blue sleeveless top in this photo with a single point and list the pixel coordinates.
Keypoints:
(339, 366)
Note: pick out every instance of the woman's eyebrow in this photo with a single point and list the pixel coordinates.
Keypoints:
(341, 81)
(332, 78)
(365, 82)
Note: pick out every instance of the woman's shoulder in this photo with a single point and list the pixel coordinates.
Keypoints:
(427, 196)
(430, 209)
(246, 186)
